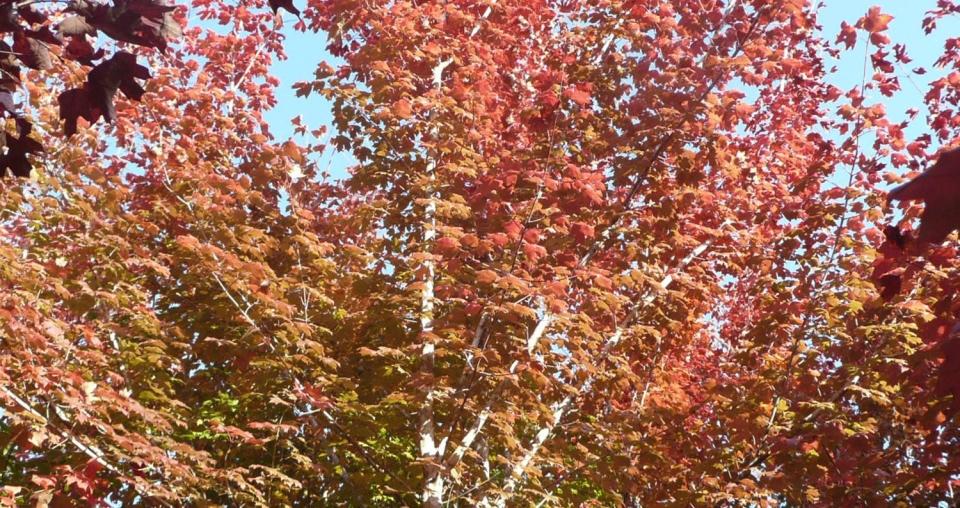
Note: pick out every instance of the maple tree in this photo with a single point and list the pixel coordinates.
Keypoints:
(590, 252)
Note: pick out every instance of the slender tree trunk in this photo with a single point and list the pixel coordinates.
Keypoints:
(430, 453)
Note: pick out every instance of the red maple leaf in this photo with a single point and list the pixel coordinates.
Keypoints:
(580, 95)
(847, 35)
(875, 21)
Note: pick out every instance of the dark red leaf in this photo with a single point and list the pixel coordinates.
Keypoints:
(31, 52)
(896, 237)
(15, 160)
(44, 34)
(939, 189)
(31, 16)
(81, 50)
(95, 98)
(142, 22)
(283, 4)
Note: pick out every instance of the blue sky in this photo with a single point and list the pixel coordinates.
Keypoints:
(307, 50)
(905, 28)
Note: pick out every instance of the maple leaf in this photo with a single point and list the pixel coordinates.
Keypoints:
(95, 98)
(875, 20)
(276, 5)
(141, 22)
(486, 277)
(77, 29)
(44, 482)
(880, 39)
(512, 229)
(81, 50)
(888, 278)
(900, 52)
(447, 245)
(15, 160)
(581, 232)
(32, 52)
(401, 109)
(76, 25)
(578, 95)
(292, 151)
(939, 189)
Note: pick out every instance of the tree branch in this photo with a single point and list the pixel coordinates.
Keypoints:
(561, 408)
(89, 450)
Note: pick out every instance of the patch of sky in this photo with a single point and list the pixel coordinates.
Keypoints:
(305, 50)
(905, 28)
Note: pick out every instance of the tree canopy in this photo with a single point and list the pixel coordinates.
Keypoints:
(591, 252)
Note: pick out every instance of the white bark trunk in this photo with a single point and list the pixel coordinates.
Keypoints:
(432, 454)
(432, 477)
